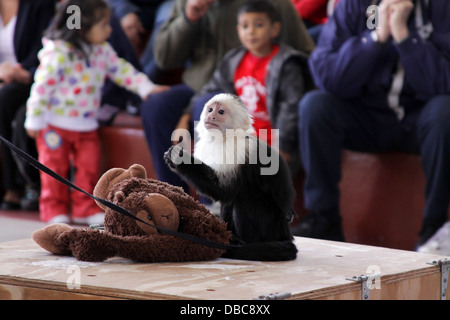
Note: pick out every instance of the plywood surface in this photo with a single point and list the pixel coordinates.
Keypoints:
(319, 272)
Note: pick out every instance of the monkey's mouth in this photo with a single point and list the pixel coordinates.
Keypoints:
(211, 125)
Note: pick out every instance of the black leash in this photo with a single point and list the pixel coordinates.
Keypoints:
(26, 157)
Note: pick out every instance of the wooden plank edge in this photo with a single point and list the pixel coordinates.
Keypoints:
(93, 291)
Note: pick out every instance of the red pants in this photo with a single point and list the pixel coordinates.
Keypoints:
(58, 149)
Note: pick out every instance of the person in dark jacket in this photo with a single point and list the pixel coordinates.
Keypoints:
(22, 24)
(383, 72)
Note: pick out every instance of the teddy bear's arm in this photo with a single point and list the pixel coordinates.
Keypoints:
(96, 246)
(164, 248)
(90, 244)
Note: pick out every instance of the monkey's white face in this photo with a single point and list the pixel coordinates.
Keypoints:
(224, 134)
(217, 116)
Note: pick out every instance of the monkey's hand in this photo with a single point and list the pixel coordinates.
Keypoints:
(174, 157)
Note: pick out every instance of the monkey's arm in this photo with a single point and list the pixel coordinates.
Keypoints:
(202, 177)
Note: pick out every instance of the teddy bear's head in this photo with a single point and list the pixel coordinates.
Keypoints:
(130, 189)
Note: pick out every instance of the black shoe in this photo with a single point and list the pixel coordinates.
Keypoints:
(9, 205)
(30, 200)
(319, 226)
(428, 230)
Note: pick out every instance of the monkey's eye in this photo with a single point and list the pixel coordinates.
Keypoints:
(149, 217)
(221, 111)
(210, 109)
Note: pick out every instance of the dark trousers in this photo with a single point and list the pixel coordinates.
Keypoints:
(12, 97)
(160, 115)
(328, 125)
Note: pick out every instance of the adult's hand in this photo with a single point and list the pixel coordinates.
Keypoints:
(132, 26)
(7, 72)
(398, 19)
(21, 75)
(394, 15)
(197, 9)
(33, 133)
(14, 73)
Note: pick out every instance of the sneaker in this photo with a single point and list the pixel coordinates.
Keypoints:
(30, 200)
(95, 219)
(427, 231)
(61, 218)
(10, 206)
(318, 226)
(438, 243)
(133, 109)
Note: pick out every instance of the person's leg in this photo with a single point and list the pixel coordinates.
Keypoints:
(434, 138)
(12, 97)
(86, 161)
(160, 115)
(147, 60)
(327, 125)
(53, 152)
(32, 183)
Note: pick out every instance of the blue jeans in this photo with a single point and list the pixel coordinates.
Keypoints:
(160, 115)
(327, 125)
(147, 60)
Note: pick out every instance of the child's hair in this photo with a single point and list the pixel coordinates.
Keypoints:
(261, 6)
(91, 12)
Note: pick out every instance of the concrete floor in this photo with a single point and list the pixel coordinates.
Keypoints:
(18, 225)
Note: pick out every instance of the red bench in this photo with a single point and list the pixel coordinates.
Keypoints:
(382, 199)
(123, 144)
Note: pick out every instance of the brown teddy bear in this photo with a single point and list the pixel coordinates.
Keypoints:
(154, 202)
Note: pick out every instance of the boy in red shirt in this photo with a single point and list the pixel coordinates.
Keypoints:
(256, 31)
(269, 77)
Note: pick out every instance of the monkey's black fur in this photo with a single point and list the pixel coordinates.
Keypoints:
(256, 207)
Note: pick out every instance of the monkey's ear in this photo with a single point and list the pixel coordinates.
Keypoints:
(113, 176)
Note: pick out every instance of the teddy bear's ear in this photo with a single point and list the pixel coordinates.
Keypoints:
(138, 171)
(113, 176)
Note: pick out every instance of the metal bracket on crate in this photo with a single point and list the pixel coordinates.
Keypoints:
(444, 264)
(366, 284)
(274, 296)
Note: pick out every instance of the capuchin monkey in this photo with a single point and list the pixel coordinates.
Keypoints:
(249, 178)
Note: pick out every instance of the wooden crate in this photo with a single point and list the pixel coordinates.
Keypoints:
(321, 271)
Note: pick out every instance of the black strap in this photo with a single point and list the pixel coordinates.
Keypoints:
(26, 157)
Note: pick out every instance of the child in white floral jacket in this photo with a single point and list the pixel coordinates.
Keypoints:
(65, 97)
